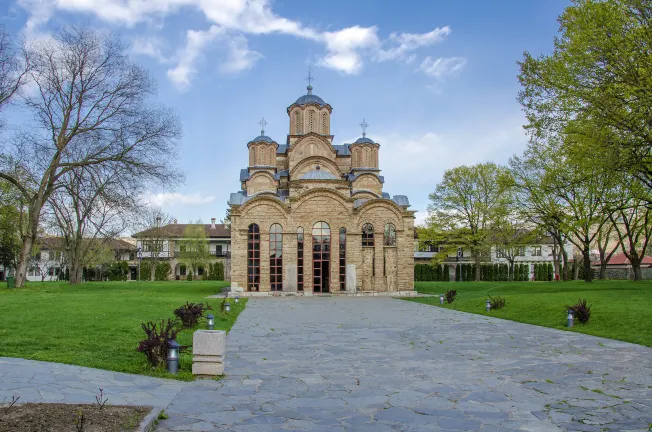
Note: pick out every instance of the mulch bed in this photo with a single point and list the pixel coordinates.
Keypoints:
(58, 417)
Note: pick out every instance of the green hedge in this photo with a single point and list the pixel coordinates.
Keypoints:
(431, 273)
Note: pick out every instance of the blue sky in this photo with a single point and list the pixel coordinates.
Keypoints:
(435, 80)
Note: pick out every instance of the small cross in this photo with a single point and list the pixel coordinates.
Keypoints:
(310, 77)
(364, 125)
(262, 124)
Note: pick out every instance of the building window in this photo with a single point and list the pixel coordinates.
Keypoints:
(536, 251)
(500, 253)
(311, 121)
(321, 257)
(324, 123)
(520, 251)
(390, 235)
(182, 270)
(253, 258)
(297, 123)
(342, 259)
(300, 259)
(200, 271)
(367, 235)
(218, 250)
(276, 257)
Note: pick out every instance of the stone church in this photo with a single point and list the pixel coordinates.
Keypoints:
(312, 216)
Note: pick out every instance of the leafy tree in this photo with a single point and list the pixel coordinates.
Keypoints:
(10, 222)
(463, 206)
(633, 226)
(194, 246)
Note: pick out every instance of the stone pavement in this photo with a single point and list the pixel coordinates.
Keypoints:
(380, 364)
(37, 381)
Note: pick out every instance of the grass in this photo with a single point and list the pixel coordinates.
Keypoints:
(619, 309)
(97, 324)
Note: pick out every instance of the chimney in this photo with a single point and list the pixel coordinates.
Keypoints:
(212, 223)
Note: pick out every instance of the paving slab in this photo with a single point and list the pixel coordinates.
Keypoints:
(382, 364)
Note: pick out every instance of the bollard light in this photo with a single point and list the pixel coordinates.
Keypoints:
(173, 357)
(237, 298)
(441, 299)
(571, 317)
(227, 307)
(488, 305)
(210, 320)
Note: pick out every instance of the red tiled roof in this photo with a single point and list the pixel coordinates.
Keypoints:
(621, 259)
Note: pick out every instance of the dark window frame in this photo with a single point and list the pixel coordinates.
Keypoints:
(276, 257)
(368, 235)
(342, 259)
(253, 258)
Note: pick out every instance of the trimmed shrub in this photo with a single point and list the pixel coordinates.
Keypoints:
(162, 271)
(458, 269)
(189, 276)
(145, 271)
(155, 346)
(496, 302)
(582, 311)
(417, 277)
(191, 313)
(447, 274)
(450, 295)
(117, 271)
(551, 272)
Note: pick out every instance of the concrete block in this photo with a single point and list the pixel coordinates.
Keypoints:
(290, 282)
(350, 278)
(209, 342)
(207, 369)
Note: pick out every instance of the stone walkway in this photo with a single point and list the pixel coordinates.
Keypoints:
(379, 364)
(36, 381)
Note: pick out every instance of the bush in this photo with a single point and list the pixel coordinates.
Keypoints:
(457, 272)
(145, 271)
(218, 268)
(450, 295)
(189, 276)
(447, 274)
(162, 271)
(155, 346)
(581, 310)
(496, 302)
(551, 272)
(117, 271)
(191, 313)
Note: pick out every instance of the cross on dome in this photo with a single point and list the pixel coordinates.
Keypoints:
(262, 124)
(364, 125)
(310, 78)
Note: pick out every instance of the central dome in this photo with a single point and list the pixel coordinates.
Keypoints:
(310, 98)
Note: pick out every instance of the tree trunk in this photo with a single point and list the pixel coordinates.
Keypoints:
(23, 259)
(478, 269)
(603, 270)
(564, 256)
(588, 274)
(555, 262)
(636, 267)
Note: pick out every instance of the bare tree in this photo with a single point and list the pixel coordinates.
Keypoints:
(608, 242)
(154, 242)
(633, 226)
(91, 208)
(13, 69)
(92, 108)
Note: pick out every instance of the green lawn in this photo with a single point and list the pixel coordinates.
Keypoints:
(620, 309)
(97, 324)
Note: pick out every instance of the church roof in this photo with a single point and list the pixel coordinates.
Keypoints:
(364, 140)
(310, 98)
(264, 138)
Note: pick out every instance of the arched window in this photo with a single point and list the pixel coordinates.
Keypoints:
(261, 161)
(367, 163)
(253, 156)
(311, 121)
(342, 259)
(299, 259)
(390, 235)
(368, 235)
(253, 258)
(276, 257)
(321, 257)
(297, 122)
(324, 123)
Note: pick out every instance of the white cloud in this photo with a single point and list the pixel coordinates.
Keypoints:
(405, 43)
(174, 199)
(195, 42)
(239, 56)
(346, 49)
(345, 46)
(441, 67)
(149, 46)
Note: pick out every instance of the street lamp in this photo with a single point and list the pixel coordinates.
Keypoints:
(237, 298)
(441, 299)
(571, 317)
(210, 319)
(488, 305)
(173, 357)
(227, 307)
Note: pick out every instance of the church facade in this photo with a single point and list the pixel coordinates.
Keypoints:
(312, 216)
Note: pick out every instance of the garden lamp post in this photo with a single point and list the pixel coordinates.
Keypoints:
(488, 305)
(237, 298)
(571, 317)
(227, 307)
(173, 357)
(441, 299)
(210, 320)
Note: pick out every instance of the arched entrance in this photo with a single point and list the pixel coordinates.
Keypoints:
(321, 256)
